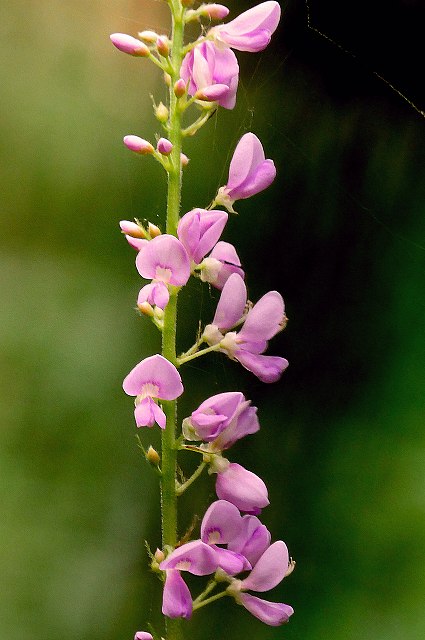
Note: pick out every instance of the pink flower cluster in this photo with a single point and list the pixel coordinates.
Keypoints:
(247, 548)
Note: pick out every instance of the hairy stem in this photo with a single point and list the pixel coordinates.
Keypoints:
(169, 452)
(182, 487)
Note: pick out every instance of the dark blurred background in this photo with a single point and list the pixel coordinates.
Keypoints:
(341, 233)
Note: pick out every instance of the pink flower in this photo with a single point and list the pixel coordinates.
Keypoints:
(153, 377)
(222, 420)
(156, 293)
(164, 259)
(249, 172)
(220, 264)
(251, 30)
(269, 570)
(199, 230)
(212, 74)
(176, 598)
(143, 635)
(242, 488)
(261, 323)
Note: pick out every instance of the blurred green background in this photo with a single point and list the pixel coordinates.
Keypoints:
(341, 233)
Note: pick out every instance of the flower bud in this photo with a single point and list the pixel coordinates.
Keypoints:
(161, 112)
(167, 79)
(130, 45)
(214, 11)
(138, 145)
(162, 46)
(180, 88)
(184, 160)
(146, 309)
(143, 635)
(159, 555)
(164, 146)
(152, 456)
(153, 230)
(132, 229)
(150, 37)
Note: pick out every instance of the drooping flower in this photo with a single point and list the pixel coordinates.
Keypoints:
(211, 74)
(221, 420)
(199, 230)
(269, 570)
(249, 172)
(242, 488)
(251, 30)
(153, 377)
(176, 597)
(220, 264)
(263, 321)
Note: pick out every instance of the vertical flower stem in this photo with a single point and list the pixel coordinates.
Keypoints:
(169, 451)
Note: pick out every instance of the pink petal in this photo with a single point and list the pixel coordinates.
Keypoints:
(266, 368)
(144, 413)
(232, 563)
(269, 570)
(164, 258)
(155, 293)
(143, 635)
(176, 599)
(260, 179)
(264, 319)
(247, 156)
(231, 305)
(221, 523)
(253, 539)
(243, 424)
(158, 371)
(199, 230)
(242, 488)
(252, 29)
(196, 557)
(225, 252)
(272, 613)
(136, 243)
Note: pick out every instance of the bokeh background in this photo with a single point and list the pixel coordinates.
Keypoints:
(341, 234)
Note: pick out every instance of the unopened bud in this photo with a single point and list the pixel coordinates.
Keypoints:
(283, 322)
(138, 145)
(130, 45)
(153, 230)
(146, 309)
(184, 160)
(150, 37)
(167, 79)
(132, 229)
(159, 556)
(164, 146)
(162, 46)
(180, 88)
(214, 11)
(152, 456)
(161, 112)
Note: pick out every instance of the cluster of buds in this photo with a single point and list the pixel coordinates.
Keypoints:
(234, 547)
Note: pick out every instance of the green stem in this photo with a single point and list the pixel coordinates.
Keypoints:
(209, 600)
(169, 451)
(182, 488)
(198, 354)
(210, 587)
